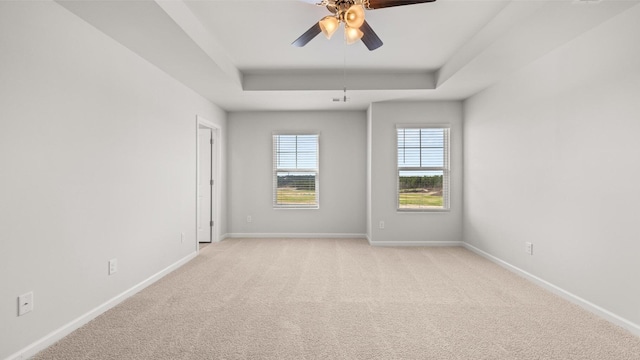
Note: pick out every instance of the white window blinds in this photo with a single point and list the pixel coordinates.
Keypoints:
(423, 168)
(295, 171)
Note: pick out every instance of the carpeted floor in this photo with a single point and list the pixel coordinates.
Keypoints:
(343, 299)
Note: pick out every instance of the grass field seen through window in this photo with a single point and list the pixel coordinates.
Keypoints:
(420, 200)
(408, 200)
(292, 196)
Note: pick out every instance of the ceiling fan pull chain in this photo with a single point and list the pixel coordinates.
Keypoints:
(344, 67)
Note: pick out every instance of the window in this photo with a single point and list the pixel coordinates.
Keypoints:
(423, 168)
(295, 171)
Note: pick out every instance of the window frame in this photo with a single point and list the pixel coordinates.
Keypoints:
(276, 170)
(446, 169)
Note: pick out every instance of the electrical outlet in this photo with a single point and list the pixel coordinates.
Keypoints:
(529, 248)
(25, 303)
(113, 266)
(249, 219)
(381, 225)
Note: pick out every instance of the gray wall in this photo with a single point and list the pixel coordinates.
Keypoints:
(98, 161)
(342, 174)
(552, 157)
(405, 227)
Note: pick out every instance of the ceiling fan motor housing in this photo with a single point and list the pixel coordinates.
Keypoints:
(340, 7)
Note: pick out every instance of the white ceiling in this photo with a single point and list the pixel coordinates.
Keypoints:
(414, 36)
(237, 53)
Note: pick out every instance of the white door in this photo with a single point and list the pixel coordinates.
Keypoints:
(204, 185)
(214, 185)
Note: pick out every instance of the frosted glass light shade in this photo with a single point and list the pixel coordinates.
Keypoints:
(352, 34)
(354, 17)
(329, 25)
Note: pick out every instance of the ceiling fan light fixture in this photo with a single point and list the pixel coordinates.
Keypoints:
(352, 34)
(354, 17)
(329, 25)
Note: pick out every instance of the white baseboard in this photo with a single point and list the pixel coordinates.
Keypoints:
(415, 243)
(587, 305)
(67, 329)
(296, 235)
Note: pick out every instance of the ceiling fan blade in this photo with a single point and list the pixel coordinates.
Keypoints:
(379, 4)
(370, 38)
(307, 36)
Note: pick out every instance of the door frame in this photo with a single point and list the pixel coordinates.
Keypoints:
(216, 174)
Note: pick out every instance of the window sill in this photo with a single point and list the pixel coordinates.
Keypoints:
(295, 208)
(422, 211)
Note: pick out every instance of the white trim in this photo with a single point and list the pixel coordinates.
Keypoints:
(416, 243)
(422, 126)
(67, 329)
(585, 304)
(296, 235)
(205, 122)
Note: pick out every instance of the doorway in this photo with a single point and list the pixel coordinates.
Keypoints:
(208, 150)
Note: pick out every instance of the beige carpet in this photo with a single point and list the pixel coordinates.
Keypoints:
(343, 299)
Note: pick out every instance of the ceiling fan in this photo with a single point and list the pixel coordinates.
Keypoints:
(351, 13)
